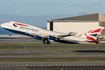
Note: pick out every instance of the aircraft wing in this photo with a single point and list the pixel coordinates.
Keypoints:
(70, 34)
(56, 36)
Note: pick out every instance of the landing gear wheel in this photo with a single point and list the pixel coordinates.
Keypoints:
(48, 42)
(9, 33)
(44, 41)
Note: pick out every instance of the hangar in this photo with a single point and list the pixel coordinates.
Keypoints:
(78, 24)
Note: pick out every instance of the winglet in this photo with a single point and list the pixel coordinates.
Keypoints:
(72, 33)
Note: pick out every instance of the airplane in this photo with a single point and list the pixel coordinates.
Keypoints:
(46, 35)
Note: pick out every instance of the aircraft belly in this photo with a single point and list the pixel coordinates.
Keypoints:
(19, 32)
(71, 38)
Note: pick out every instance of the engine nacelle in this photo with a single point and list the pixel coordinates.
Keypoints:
(38, 37)
(52, 38)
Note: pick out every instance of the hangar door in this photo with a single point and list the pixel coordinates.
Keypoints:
(51, 26)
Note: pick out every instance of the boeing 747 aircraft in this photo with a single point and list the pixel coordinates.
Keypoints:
(46, 35)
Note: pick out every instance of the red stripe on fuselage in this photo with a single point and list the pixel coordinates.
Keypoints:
(20, 24)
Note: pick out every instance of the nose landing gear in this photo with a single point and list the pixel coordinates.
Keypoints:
(9, 33)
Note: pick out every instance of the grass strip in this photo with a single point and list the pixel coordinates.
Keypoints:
(46, 48)
(54, 52)
(51, 59)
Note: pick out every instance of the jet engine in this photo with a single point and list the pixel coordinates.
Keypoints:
(38, 37)
(52, 38)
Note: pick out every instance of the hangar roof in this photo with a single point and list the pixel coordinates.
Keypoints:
(84, 18)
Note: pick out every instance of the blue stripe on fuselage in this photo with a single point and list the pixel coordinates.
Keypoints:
(19, 32)
(14, 25)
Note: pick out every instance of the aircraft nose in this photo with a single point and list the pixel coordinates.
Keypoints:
(2, 25)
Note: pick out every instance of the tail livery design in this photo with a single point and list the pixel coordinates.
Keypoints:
(93, 35)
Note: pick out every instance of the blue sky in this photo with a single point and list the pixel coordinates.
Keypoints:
(51, 7)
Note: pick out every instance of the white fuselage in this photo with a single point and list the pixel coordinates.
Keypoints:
(33, 30)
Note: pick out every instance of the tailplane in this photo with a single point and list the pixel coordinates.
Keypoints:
(93, 35)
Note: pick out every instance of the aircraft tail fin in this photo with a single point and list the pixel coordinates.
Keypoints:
(93, 34)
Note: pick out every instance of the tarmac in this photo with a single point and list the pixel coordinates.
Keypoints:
(55, 68)
(36, 64)
(52, 66)
(98, 53)
(52, 55)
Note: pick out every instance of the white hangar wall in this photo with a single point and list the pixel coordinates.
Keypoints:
(79, 27)
(80, 24)
(48, 25)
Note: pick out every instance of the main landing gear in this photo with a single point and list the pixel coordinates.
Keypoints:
(46, 41)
